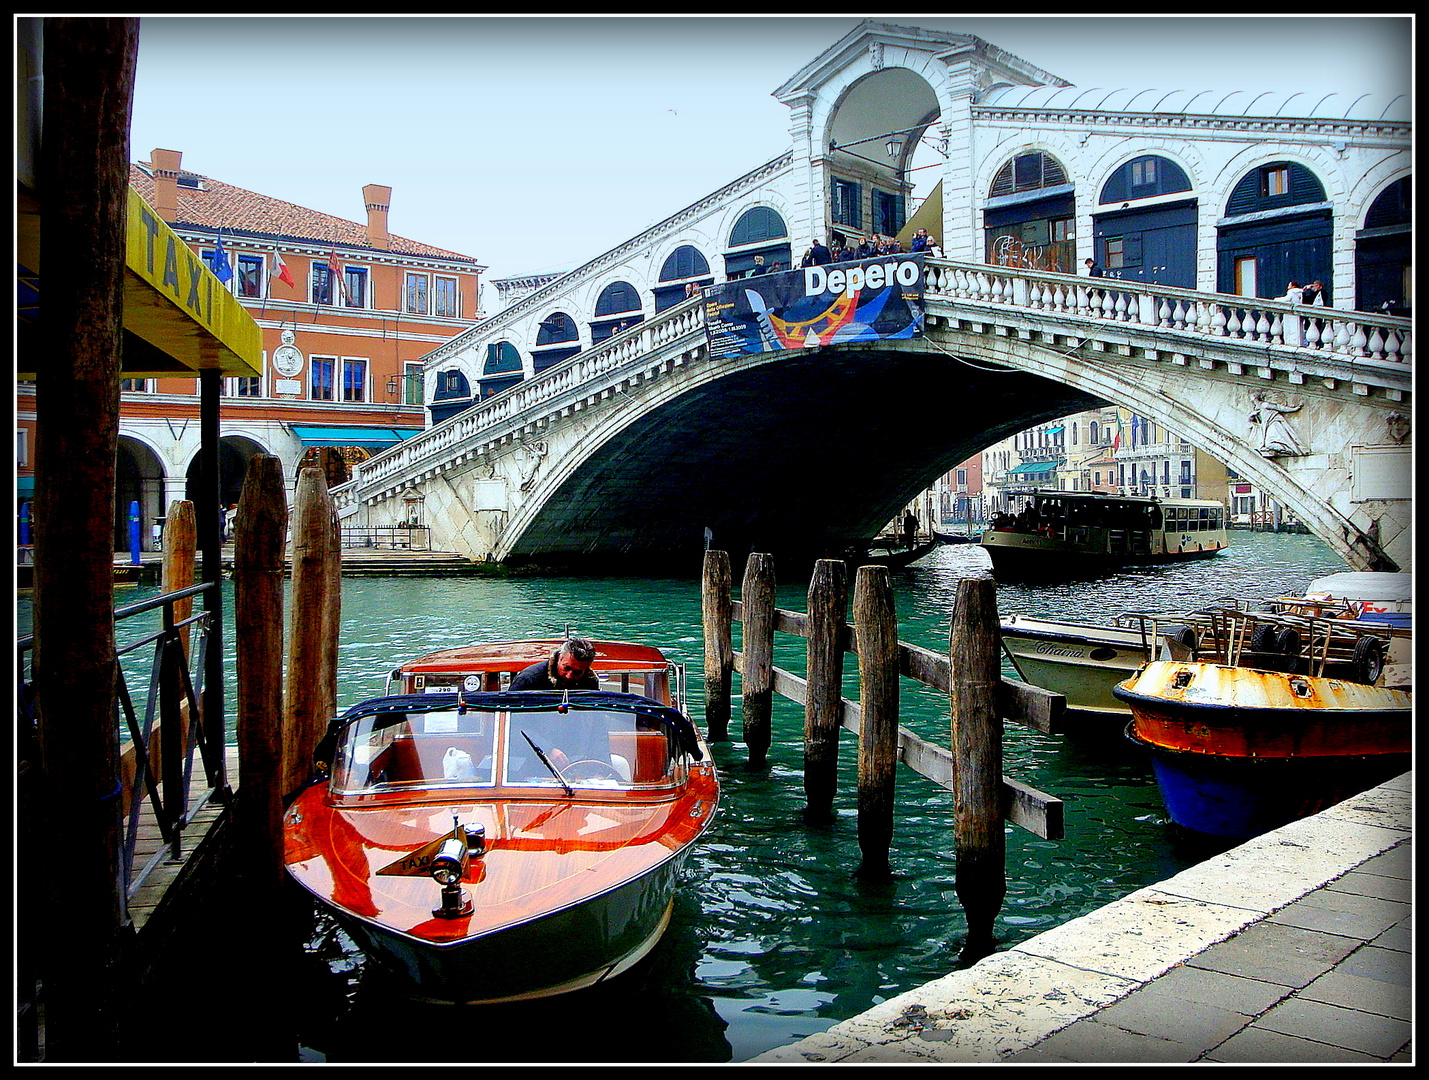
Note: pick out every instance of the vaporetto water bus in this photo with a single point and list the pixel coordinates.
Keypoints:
(1063, 534)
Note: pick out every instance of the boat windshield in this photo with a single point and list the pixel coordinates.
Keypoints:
(597, 749)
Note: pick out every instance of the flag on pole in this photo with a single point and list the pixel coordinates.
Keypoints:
(219, 262)
(337, 275)
(280, 269)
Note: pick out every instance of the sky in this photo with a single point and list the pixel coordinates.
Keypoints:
(535, 144)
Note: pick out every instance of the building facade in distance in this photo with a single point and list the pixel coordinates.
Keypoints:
(347, 310)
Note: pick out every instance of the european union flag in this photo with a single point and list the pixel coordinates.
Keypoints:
(219, 262)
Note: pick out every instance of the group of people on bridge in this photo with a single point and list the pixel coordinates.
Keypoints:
(870, 247)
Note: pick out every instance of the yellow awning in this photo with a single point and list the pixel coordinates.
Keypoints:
(183, 317)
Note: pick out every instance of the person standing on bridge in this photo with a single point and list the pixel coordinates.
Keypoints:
(568, 668)
(817, 255)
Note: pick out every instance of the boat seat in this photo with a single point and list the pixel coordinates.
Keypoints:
(648, 750)
(421, 758)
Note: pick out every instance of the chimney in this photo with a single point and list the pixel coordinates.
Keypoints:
(377, 198)
(165, 164)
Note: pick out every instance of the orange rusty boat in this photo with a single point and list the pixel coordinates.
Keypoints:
(1238, 751)
(491, 845)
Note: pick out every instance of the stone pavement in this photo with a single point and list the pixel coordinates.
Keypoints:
(1291, 948)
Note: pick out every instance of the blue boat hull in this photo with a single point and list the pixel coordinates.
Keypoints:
(1237, 798)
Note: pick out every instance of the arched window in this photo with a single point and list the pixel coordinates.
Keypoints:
(762, 226)
(757, 225)
(1144, 177)
(1270, 187)
(1029, 217)
(451, 394)
(1259, 254)
(617, 308)
(684, 262)
(556, 328)
(1028, 172)
(684, 268)
(557, 339)
(502, 369)
(616, 299)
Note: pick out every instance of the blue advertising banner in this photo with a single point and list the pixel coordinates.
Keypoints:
(870, 300)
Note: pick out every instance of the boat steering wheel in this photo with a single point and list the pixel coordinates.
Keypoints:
(591, 769)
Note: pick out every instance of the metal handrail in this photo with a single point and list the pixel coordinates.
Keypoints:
(175, 683)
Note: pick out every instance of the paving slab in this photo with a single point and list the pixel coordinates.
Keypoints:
(1291, 948)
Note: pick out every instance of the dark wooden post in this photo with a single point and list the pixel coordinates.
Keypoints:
(876, 625)
(977, 763)
(259, 538)
(84, 184)
(828, 607)
(208, 512)
(758, 593)
(310, 691)
(716, 612)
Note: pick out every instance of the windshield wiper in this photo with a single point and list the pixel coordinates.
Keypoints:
(570, 791)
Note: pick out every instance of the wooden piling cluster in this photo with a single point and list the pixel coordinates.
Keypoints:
(281, 719)
(970, 673)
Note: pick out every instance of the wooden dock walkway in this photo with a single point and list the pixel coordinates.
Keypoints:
(144, 900)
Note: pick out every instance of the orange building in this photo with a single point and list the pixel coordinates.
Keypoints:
(346, 311)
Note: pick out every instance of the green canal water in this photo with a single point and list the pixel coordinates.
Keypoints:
(775, 936)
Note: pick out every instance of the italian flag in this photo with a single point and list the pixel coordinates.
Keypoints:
(280, 269)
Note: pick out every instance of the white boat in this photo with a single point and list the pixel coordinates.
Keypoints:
(1354, 624)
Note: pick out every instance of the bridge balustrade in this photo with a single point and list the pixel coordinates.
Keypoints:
(1329, 332)
(1349, 334)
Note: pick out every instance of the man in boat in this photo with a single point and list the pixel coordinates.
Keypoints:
(568, 668)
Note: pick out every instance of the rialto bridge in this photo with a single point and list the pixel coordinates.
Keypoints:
(634, 448)
(590, 418)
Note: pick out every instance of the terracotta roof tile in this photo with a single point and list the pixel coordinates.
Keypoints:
(217, 205)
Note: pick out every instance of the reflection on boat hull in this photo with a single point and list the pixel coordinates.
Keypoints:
(567, 950)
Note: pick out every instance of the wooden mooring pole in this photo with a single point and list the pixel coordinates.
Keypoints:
(980, 845)
(757, 596)
(310, 697)
(74, 891)
(969, 673)
(259, 539)
(823, 709)
(716, 611)
(876, 629)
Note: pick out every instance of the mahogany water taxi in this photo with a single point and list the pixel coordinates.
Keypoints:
(1065, 534)
(496, 845)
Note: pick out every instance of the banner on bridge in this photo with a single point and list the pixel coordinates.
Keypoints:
(869, 300)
